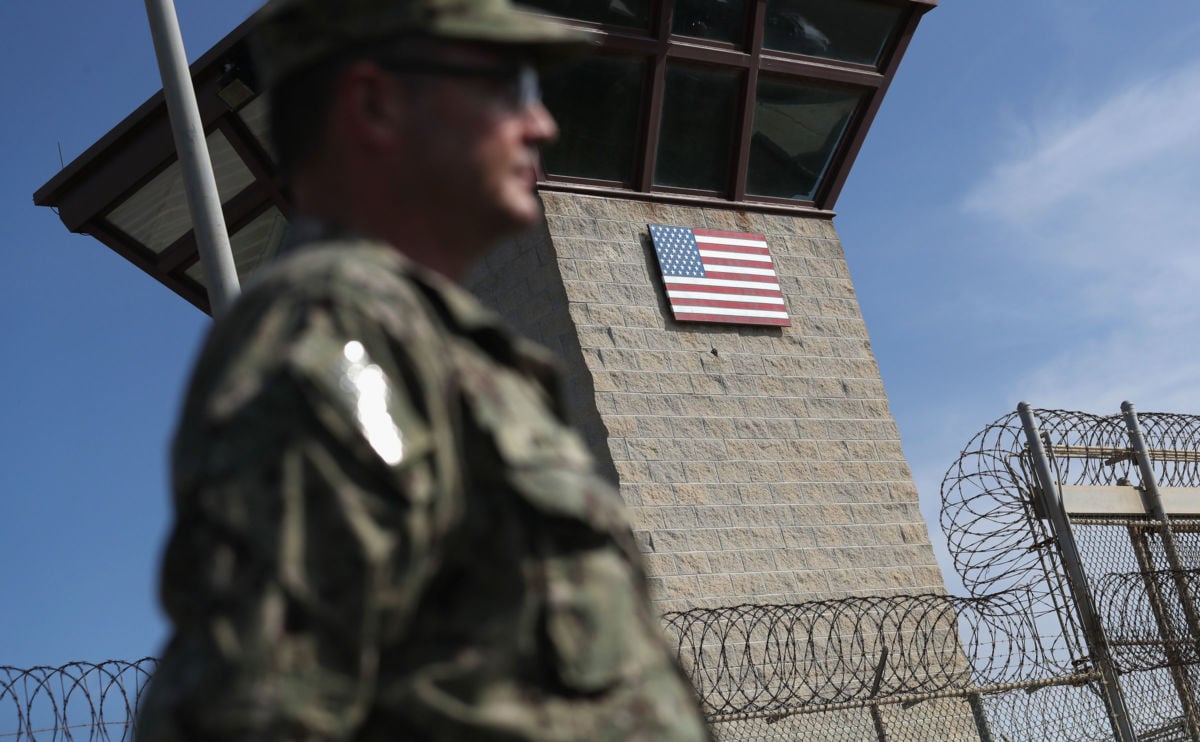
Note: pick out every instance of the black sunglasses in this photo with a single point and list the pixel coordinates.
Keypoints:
(519, 82)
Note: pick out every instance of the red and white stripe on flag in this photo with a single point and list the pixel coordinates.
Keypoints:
(713, 276)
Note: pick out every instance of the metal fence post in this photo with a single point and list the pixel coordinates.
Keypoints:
(881, 734)
(979, 714)
(1177, 666)
(1051, 501)
(1153, 502)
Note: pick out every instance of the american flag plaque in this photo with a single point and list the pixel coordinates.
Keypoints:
(713, 276)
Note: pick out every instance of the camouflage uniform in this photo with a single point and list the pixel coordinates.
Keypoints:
(384, 530)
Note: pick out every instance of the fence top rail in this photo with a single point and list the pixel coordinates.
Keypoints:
(1178, 524)
(1112, 455)
(911, 699)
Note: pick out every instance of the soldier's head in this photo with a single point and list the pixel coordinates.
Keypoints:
(383, 110)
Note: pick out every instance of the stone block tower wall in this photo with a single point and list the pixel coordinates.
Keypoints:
(759, 464)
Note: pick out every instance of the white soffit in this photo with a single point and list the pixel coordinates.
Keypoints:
(252, 245)
(156, 215)
(254, 116)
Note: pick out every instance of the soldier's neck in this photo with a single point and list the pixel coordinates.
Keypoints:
(435, 241)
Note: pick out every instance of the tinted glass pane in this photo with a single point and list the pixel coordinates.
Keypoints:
(720, 20)
(634, 13)
(847, 30)
(695, 134)
(596, 103)
(796, 130)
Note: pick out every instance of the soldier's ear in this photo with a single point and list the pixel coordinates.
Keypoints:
(369, 99)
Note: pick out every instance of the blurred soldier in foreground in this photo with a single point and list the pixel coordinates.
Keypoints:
(384, 529)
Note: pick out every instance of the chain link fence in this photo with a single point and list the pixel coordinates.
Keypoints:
(1081, 623)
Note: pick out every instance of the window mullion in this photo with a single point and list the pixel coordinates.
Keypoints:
(660, 27)
(658, 75)
(746, 128)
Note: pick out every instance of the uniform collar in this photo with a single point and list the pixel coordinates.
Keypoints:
(458, 307)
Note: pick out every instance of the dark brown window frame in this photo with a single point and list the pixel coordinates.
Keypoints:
(659, 47)
(140, 147)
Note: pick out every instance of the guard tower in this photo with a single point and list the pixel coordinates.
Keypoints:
(735, 400)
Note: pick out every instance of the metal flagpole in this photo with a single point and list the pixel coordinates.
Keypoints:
(204, 203)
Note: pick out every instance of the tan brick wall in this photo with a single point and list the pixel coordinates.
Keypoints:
(521, 280)
(759, 464)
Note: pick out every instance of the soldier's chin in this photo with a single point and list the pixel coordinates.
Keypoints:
(526, 211)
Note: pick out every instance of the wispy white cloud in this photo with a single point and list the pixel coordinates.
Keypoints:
(1097, 211)
(1103, 206)
(1070, 275)
(1149, 123)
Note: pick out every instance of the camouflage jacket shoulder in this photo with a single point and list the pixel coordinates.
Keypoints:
(385, 529)
(303, 314)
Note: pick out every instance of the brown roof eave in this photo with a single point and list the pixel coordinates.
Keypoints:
(109, 146)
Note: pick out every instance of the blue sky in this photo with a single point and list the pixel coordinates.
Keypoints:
(1019, 225)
